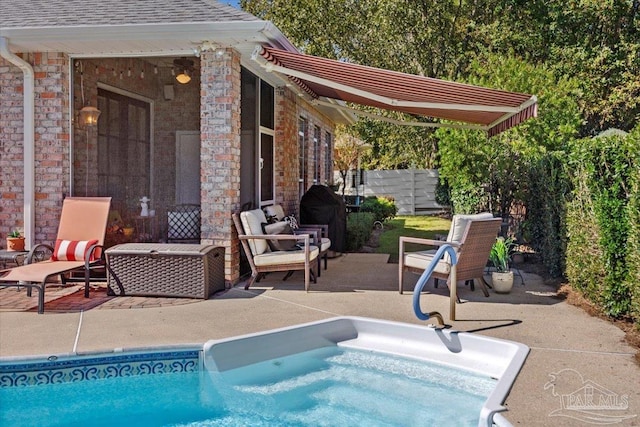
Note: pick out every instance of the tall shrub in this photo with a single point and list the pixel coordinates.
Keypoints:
(608, 167)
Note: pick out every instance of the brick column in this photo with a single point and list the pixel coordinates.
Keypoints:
(52, 136)
(220, 154)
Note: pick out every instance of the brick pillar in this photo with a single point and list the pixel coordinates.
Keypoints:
(220, 154)
(52, 136)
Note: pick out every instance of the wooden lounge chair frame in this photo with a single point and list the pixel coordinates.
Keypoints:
(82, 218)
(308, 266)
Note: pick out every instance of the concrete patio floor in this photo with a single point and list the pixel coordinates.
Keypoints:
(589, 351)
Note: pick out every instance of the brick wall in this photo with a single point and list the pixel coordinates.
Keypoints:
(220, 154)
(290, 107)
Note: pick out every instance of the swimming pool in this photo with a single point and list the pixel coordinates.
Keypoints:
(340, 371)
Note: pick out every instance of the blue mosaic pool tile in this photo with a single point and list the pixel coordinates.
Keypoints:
(91, 368)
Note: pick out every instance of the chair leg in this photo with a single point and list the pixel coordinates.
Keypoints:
(87, 275)
(289, 273)
(319, 266)
(483, 286)
(471, 284)
(326, 258)
(250, 281)
(41, 298)
(435, 282)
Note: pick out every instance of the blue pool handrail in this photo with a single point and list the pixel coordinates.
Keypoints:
(422, 281)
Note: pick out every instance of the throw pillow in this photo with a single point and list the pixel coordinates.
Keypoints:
(279, 227)
(72, 250)
(291, 220)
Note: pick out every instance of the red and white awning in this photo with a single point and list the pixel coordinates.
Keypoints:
(480, 108)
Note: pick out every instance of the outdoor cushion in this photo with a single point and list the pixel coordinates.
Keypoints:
(285, 257)
(252, 224)
(422, 259)
(459, 224)
(72, 250)
(325, 244)
(280, 227)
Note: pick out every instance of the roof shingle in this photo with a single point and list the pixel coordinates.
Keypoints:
(69, 13)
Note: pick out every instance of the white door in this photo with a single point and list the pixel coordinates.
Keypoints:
(187, 167)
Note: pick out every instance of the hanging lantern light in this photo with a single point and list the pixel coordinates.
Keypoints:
(89, 116)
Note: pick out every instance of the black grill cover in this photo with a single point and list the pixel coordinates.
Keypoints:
(321, 205)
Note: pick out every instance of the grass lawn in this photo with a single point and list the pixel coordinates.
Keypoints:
(415, 226)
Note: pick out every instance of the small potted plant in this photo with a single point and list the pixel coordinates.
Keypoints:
(500, 254)
(15, 241)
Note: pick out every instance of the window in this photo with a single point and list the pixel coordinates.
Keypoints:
(317, 165)
(328, 164)
(124, 148)
(302, 164)
(266, 162)
(257, 168)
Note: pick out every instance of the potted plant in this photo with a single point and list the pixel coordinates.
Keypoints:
(15, 241)
(502, 278)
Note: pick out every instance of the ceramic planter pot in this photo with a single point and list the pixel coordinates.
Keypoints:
(15, 243)
(502, 282)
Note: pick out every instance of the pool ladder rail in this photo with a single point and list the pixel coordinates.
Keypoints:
(424, 278)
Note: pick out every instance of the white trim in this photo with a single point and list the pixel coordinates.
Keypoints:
(523, 106)
(28, 123)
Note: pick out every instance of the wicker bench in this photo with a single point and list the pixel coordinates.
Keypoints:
(168, 270)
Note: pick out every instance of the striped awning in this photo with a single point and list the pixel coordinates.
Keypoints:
(478, 107)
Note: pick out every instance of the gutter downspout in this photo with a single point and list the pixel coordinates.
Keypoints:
(29, 138)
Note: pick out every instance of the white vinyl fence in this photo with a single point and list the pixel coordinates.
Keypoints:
(414, 190)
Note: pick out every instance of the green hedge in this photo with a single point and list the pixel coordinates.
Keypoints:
(383, 208)
(359, 227)
(603, 224)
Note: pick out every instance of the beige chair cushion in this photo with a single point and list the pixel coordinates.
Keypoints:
(459, 223)
(282, 257)
(252, 224)
(326, 244)
(421, 260)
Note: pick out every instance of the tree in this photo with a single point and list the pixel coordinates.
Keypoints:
(470, 161)
(347, 152)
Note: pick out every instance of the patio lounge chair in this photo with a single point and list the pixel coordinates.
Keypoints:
(263, 260)
(81, 232)
(277, 212)
(472, 251)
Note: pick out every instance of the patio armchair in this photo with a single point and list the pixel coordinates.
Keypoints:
(472, 252)
(458, 226)
(323, 243)
(78, 248)
(262, 259)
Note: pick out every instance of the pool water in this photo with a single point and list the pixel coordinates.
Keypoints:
(330, 386)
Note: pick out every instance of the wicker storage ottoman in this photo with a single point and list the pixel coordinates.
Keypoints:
(168, 270)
